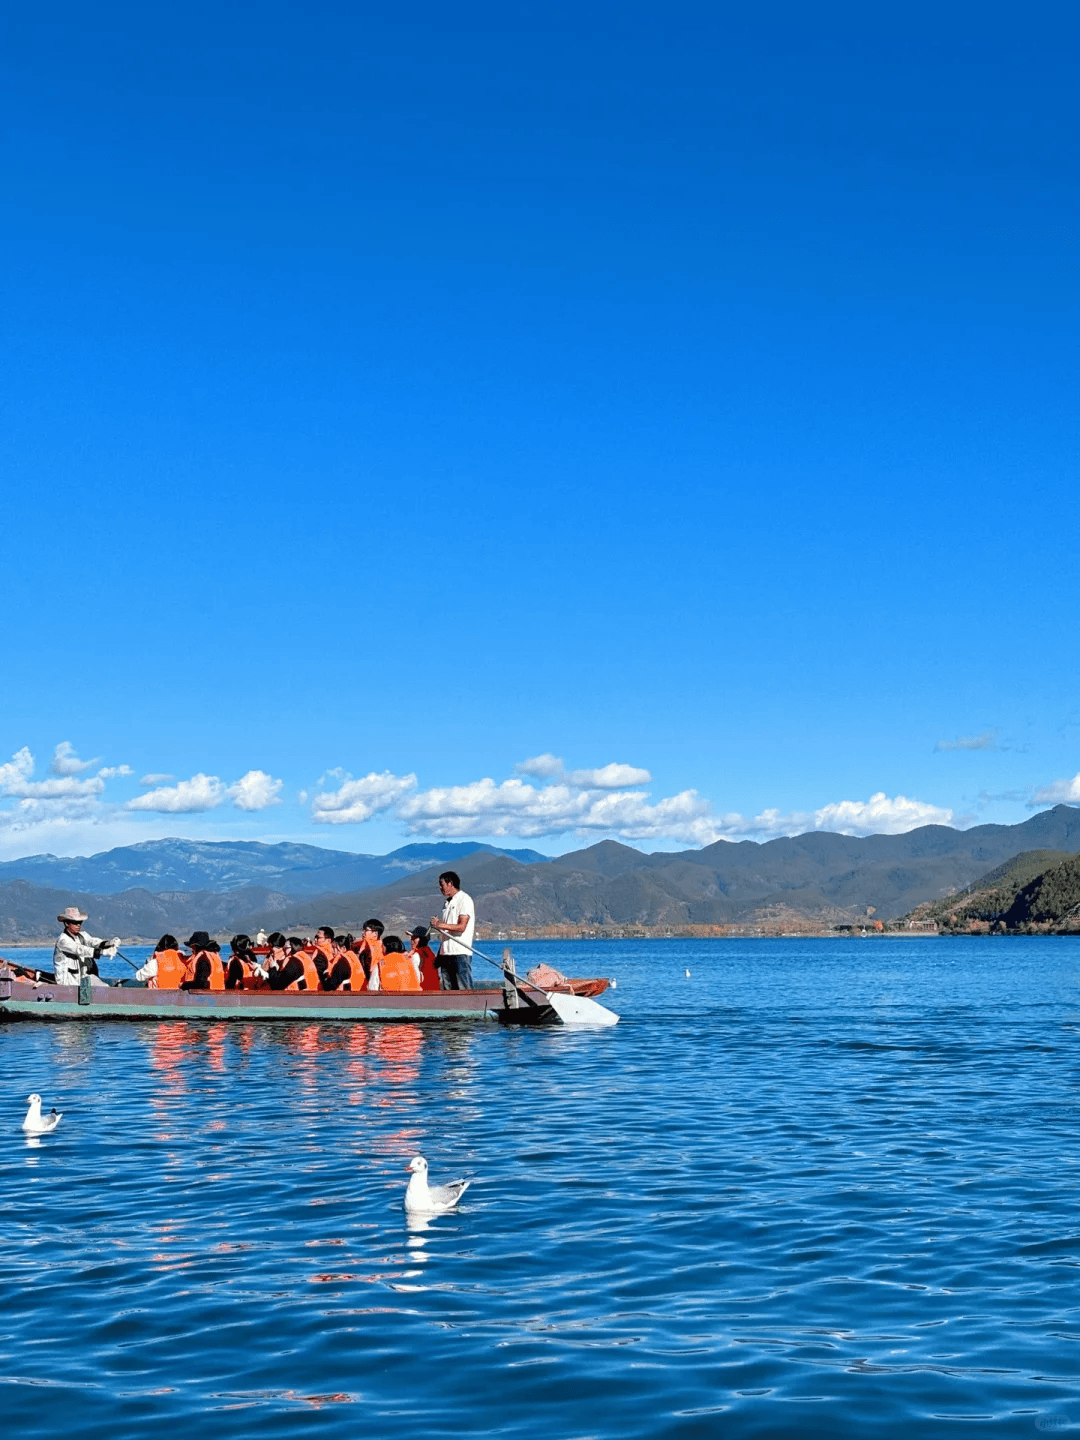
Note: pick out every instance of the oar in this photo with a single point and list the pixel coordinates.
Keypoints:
(571, 1009)
(123, 957)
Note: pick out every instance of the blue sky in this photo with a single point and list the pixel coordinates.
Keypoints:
(536, 422)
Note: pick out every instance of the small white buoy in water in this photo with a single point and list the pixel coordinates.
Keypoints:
(614, 984)
(36, 1123)
(688, 974)
(425, 1199)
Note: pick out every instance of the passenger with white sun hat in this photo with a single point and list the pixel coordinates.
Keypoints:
(75, 951)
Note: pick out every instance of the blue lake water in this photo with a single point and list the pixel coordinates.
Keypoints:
(816, 1188)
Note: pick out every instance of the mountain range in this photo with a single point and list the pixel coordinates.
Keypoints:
(227, 865)
(143, 890)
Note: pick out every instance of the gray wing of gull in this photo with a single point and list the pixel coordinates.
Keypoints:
(449, 1194)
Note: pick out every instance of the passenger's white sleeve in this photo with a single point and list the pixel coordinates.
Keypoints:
(147, 971)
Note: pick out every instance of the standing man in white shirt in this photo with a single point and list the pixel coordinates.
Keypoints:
(457, 924)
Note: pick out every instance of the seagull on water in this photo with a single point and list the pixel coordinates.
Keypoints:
(36, 1123)
(422, 1198)
(688, 974)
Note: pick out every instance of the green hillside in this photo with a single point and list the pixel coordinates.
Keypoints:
(1051, 900)
(988, 900)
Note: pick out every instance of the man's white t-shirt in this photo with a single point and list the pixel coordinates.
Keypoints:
(457, 906)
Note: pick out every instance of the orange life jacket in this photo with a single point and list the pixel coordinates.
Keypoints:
(429, 976)
(375, 953)
(248, 979)
(310, 975)
(217, 970)
(171, 969)
(397, 972)
(357, 978)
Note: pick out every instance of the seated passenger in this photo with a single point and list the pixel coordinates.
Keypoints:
(276, 953)
(369, 946)
(203, 970)
(296, 970)
(394, 970)
(420, 952)
(345, 971)
(165, 968)
(244, 972)
(321, 950)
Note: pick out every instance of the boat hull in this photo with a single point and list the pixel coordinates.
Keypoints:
(22, 999)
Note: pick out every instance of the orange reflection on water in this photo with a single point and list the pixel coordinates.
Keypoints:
(399, 1048)
(168, 1047)
(215, 1046)
(165, 1236)
(305, 1044)
(357, 1038)
(407, 1141)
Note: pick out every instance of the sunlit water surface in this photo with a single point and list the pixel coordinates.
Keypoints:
(813, 1188)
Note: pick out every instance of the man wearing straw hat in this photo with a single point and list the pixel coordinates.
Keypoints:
(75, 950)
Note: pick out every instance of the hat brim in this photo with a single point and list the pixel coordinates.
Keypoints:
(77, 919)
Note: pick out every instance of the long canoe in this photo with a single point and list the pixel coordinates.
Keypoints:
(26, 999)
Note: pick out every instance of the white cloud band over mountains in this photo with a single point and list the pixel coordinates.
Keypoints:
(591, 803)
(541, 799)
(1058, 792)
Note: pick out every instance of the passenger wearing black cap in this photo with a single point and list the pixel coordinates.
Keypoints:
(423, 955)
(204, 968)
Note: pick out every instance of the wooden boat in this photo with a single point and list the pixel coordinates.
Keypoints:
(546, 977)
(27, 994)
(23, 998)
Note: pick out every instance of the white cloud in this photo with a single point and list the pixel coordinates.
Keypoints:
(255, 791)
(66, 762)
(986, 741)
(879, 815)
(542, 767)
(201, 792)
(109, 772)
(16, 783)
(1058, 792)
(31, 814)
(608, 777)
(515, 807)
(156, 779)
(16, 772)
(591, 803)
(357, 800)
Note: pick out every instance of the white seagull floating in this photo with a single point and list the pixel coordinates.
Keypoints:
(36, 1123)
(422, 1198)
